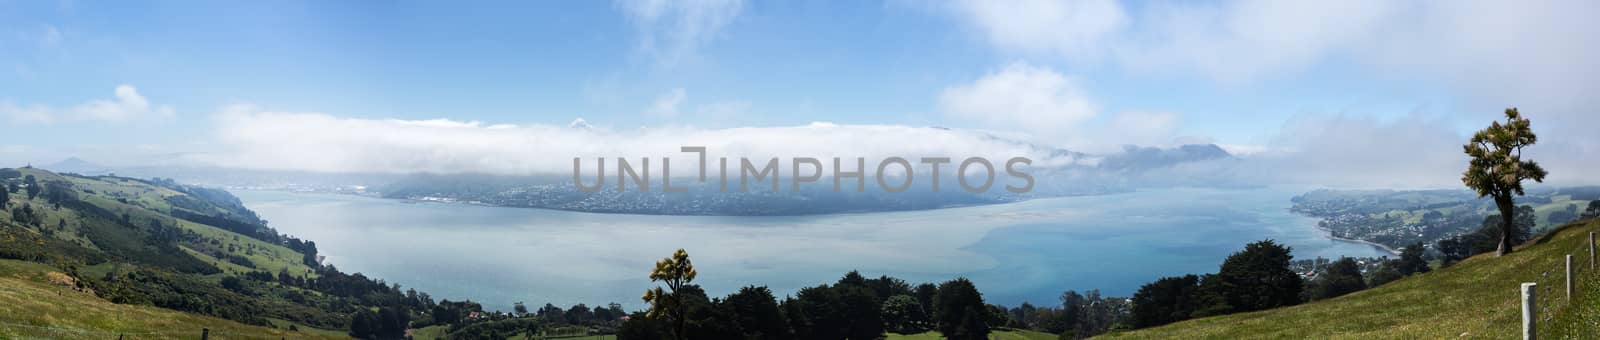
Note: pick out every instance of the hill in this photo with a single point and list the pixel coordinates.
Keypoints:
(1477, 298)
(95, 255)
(41, 304)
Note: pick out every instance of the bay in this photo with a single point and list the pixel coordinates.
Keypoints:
(1026, 251)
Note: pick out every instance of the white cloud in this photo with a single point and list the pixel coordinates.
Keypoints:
(127, 105)
(667, 103)
(1066, 27)
(250, 137)
(32, 114)
(1021, 96)
(1509, 49)
(671, 31)
(1488, 55)
(1409, 152)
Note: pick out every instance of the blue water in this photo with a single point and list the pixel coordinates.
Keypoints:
(1027, 251)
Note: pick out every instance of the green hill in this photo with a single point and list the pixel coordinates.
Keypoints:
(98, 255)
(40, 304)
(1477, 298)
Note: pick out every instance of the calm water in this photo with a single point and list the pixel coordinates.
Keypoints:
(1029, 251)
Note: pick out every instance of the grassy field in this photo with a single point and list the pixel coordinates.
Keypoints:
(39, 309)
(998, 335)
(1478, 298)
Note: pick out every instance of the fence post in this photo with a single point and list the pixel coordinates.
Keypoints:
(1569, 277)
(1528, 309)
(1591, 251)
(205, 333)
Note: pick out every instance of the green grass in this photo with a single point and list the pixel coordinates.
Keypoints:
(302, 328)
(430, 332)
(1478, 298)
(998, 334)
(38, 309)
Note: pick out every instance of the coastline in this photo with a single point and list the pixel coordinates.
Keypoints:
(1329, 234)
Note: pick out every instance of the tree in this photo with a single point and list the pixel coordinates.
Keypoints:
(961, 313)
(1259, 278)
(392, 323)
(579, 314)
(675, 272)
(1340, 278)
(1497, 168)
(5, 198)
(1387, 272)
(925, 293)
(1167, 300)
(900, 313)
(641, 326)
(1489, 236)
(756, 313)
(33, 186)
(815, 313)
(1454, 249)
(1593, 210)
(519, 308)
(861, 309)
(364, 324)
(1411, 260)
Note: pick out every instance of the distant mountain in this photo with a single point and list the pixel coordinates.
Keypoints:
(78, 166)
(1135, 158)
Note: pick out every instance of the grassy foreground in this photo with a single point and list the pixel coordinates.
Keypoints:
(997, 334)
(1478, 298)
(36, 308)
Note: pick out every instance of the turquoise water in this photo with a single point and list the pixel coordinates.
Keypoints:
(1027, 251)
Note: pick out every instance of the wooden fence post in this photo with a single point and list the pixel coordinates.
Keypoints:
(205, 333)
(1529, 310)
(1591, 251)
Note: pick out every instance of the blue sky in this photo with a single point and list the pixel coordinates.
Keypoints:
(1087, 75)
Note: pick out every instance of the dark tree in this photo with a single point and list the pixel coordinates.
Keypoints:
(1454, 249)
(1258, 278)
(1492, 232)
(392, 323)
(925, 294)
(364, 324)
(901, 312)
(1497, 169)
(816, 314)
(33, 186)
(961, 313)
(1387, 272)
(1593, 210)
(1165, 301)
(642, 327)
(861, 310)
(579, 314)
(756, 314)
(1411, 260)
(1340, 278)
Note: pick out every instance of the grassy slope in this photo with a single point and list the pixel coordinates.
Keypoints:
(1478, 298)
(999, 335)
(37, 309)
(22, 282)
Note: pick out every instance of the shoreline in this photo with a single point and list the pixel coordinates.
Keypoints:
(1329, 234)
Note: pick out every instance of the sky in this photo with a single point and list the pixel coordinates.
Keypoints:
(1337, 93)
